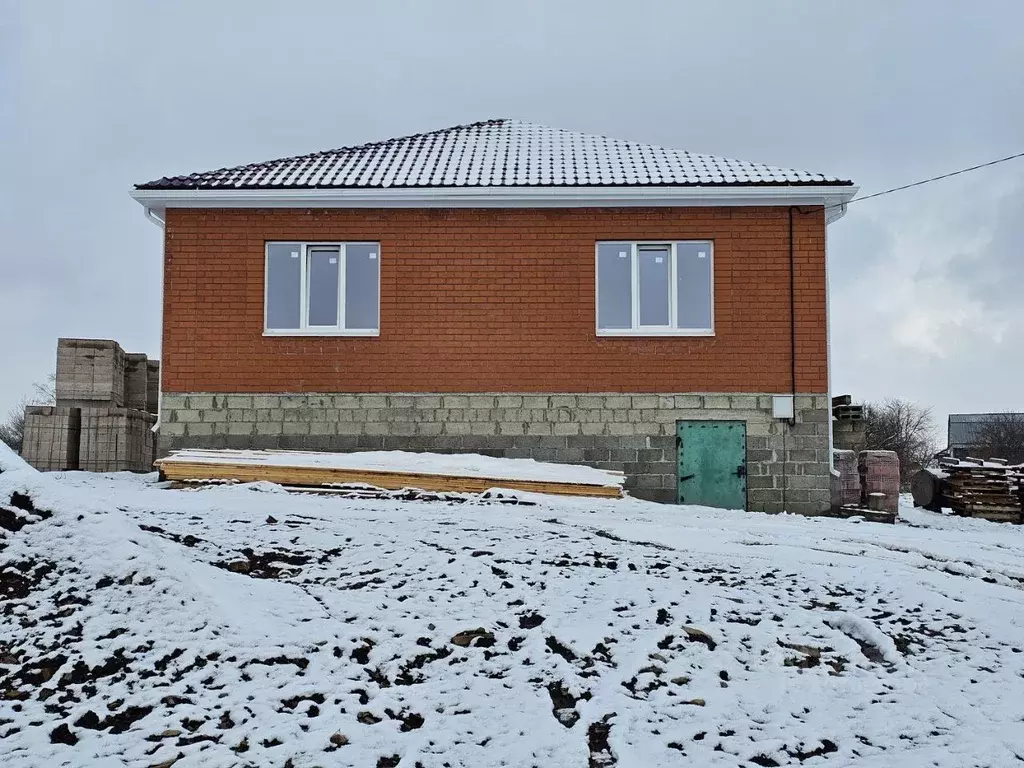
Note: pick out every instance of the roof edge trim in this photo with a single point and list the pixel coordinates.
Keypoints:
(834, 197)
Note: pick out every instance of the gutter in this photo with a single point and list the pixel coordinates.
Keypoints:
(828, 367)
(792, 314)
(160, 387)
(837, 211)
(153, 217)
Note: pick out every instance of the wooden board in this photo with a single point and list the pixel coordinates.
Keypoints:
(971, 508)
(363, 492)
(869, 515)
(182, 471)
(999, 517)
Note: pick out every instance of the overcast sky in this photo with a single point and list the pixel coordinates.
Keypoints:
(926, 284)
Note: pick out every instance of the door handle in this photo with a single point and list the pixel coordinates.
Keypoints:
(741, 470)
(686, 477)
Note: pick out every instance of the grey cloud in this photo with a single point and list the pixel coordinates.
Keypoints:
(99, 95)
(995, 274)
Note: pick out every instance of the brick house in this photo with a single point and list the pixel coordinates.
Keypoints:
(513, 289)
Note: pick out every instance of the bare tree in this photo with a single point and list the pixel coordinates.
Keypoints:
(904, 427)
(1000, 435)
(12, 429)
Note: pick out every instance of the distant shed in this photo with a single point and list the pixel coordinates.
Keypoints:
(965, 431)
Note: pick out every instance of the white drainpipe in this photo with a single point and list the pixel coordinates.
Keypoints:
(160, 389)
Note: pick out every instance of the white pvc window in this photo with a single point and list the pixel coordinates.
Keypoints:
(655, 288)
(322, 289)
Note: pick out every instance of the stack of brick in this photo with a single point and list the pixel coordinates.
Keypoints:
(880, 473)
(846, 488)
(105, 412)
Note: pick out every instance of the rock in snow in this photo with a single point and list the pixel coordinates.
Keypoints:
(387, 632)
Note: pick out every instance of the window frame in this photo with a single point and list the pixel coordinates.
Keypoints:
(652, 330)
(305, 329)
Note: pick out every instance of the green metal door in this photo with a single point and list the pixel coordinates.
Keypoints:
(712, 463)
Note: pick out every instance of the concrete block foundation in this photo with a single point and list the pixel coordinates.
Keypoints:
(787, 464)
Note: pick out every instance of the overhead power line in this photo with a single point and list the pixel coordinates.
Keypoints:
(935, 178)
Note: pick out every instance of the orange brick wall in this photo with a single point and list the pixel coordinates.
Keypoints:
(491, 301)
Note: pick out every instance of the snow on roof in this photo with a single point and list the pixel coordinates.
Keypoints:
(496, 153)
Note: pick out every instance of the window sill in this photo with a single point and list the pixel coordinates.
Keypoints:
(318, 332)
(653, 332)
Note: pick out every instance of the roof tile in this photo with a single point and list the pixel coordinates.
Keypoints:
(495, 153)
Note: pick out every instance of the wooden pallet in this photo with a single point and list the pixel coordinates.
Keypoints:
(193, 472)
(988, 490)
(1011, 516)
(871, 515)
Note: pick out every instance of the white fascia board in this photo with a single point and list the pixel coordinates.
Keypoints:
(833, 197)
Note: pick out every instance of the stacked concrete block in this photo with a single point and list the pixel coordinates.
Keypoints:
(90, 372)
(787, 464)
(51, 441)
(153, 386)
(116, 440)
(846, 490)
(105, 412)
(849, 435)
(136, 381)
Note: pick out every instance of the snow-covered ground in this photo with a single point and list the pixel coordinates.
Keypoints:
(240, 626)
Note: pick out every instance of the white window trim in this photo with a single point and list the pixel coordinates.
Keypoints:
(317, 330)
(649, 330)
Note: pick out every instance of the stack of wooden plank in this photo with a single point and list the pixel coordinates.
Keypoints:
(389, 470)
(986, 489)
(1019, 478)
(844, 409)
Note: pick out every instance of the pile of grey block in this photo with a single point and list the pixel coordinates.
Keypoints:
(849, 435)
(104, 415)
